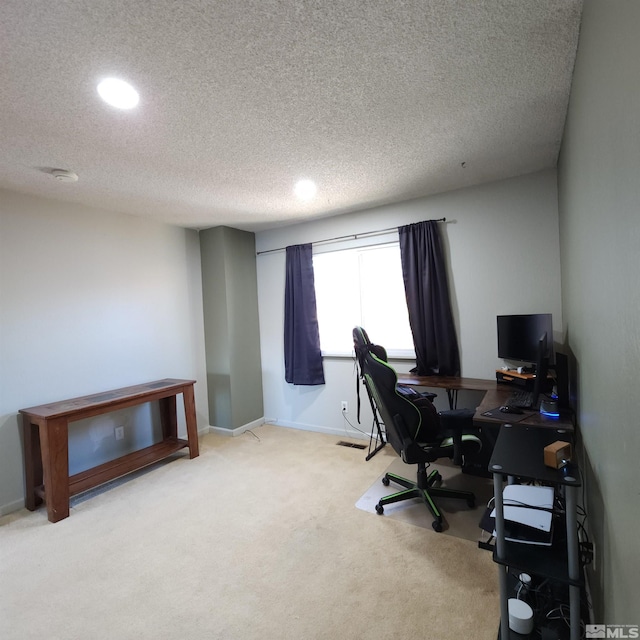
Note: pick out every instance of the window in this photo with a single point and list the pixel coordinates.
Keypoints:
(362, 287)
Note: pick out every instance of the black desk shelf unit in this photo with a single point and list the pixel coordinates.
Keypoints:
(518, 453)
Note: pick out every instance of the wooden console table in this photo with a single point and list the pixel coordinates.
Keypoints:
(46, 450)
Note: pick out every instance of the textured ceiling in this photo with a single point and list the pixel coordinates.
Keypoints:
(378, 101)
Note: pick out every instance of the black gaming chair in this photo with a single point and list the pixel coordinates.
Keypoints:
(362, 344)
(452, 436)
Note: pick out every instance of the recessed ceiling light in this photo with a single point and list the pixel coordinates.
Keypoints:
(118, 93)
(305, 189)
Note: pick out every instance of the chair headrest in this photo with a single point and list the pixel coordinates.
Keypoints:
(362, 344)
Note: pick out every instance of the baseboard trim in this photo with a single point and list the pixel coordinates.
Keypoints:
(334, 431)
(238, 431)
(10, 507)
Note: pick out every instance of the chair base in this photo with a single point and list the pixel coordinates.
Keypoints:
(425, 490)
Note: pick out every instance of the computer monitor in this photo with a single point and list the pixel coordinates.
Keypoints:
(519, 336)
(540, 384)
(562, 380)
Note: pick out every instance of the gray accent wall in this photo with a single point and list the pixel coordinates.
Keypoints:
(599, 211)
(232, 332)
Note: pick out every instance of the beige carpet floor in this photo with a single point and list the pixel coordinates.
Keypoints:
(258, 538)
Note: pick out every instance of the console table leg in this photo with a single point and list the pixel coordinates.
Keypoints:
(32, 463)
(55, 466)
(190, 418)
(168, 417)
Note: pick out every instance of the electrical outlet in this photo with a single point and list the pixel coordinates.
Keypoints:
(344, 406)
(588, 550)
(119, 433)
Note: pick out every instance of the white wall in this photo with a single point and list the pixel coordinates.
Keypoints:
(503, 251)
(89, 301)
(600, 235)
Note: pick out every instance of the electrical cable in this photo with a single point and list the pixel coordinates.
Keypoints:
(356, 428)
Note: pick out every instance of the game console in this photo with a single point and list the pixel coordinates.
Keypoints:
(527, 514)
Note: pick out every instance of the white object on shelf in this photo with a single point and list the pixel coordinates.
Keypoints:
(520, 616)
(527, 513)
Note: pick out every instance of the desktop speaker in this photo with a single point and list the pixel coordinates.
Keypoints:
(549, 408)
(557, 454)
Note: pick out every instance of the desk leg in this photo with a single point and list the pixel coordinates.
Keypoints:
(54, 436)
(573, 559)
(190, 418)
(32, 463)
(502, 570)
(452, 395)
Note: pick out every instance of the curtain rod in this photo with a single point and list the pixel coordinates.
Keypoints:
(352, 236)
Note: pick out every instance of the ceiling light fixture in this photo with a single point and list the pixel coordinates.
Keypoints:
(62, 175)
(118, 93)
(305, 189)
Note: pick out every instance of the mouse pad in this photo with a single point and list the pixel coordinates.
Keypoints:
(496, 414)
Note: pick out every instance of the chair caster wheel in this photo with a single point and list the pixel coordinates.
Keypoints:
(385, 481)
(437, 526)
(379, 509)
(471, 503)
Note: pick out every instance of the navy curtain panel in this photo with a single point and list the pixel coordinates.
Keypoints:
(428, 301)
(302, 358)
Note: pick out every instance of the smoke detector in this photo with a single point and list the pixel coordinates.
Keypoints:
(62, 175)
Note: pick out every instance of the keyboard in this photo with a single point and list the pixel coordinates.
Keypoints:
(521, 399)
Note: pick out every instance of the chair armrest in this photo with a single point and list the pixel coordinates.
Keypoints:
(411, 394)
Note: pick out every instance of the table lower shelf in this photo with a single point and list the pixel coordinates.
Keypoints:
(119, 467)
(126, 464)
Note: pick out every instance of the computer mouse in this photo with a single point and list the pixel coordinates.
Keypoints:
(505, 409)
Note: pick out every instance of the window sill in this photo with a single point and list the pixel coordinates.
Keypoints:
(392, 355)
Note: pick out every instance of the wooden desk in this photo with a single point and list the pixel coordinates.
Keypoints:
(452, 384)
(495, 395)
(46, 451)
(498, 397)
(447, 382)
